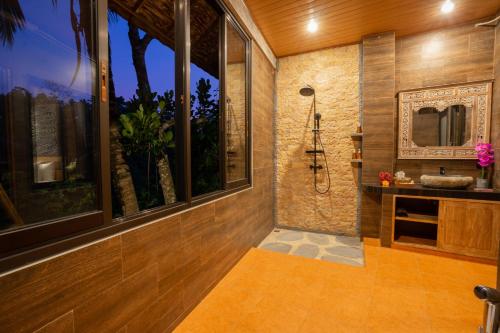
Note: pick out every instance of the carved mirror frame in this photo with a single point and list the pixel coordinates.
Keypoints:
(476, 96)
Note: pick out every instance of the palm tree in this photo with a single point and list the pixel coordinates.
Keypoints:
(139, 46)
(122, 178)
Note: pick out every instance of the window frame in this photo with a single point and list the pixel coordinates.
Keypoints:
(19, 246)
(248, 119)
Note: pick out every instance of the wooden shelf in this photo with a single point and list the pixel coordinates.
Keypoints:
(356, 161)
(418, 218)
(416, 241)
(356, 135)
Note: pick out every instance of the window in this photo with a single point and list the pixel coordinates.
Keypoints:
(48, 114)
(103, 131)
(205, 22)
(142, 107)
(236, 106)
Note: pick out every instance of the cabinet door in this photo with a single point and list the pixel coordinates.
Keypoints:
(469, 228)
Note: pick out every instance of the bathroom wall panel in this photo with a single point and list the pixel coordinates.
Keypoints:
(149, 278)
(495, 121)
(36, 295)
(379, 53)
(454, 55)
(63, 324)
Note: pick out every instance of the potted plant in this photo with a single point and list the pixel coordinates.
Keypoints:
(485, 157)
(385, 178)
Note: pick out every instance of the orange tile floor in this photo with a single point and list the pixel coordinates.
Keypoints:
(397, 291)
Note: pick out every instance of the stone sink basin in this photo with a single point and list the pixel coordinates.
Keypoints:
(452, 181)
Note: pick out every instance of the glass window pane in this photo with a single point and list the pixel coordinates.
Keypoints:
(205, 139)
(142, 105)
(47, 110)
(236, 113)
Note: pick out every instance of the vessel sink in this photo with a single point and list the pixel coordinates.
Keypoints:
(451, 181)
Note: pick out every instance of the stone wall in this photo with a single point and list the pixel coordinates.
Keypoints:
(334, 74)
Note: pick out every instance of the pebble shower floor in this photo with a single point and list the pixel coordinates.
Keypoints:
(339, 249)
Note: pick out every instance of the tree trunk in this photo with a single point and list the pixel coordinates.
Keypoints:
(139, 46)
(122, 178)
(166, 181)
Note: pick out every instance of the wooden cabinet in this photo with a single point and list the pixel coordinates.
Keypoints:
(469, 228)
(458, 226)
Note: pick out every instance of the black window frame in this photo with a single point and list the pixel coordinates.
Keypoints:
(19, 246)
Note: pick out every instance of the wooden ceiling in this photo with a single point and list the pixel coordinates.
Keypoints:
(283, 22)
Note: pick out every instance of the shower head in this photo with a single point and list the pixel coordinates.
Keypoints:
(307, 91)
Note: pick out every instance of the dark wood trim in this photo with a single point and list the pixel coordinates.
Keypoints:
(204, 198)
(444, 86)
(237, 183)
(19, 239)
(182, 100)
(249, 136)
(222, 100)
(104, 174)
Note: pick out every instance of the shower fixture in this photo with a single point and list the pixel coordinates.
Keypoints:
(308, 91)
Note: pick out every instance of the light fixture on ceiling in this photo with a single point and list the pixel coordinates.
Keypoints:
(447, 7)
(312, 26)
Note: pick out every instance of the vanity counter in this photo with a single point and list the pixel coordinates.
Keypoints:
(419, 190)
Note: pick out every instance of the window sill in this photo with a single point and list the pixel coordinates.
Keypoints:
(115, 227)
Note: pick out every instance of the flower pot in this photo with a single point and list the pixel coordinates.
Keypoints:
(482, 183)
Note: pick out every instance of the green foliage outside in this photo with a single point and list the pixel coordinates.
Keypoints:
(148, 134)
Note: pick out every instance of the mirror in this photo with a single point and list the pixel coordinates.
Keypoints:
(448, 127)
(444, 122)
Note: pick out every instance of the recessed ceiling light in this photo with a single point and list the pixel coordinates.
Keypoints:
(447, 7)
(312, 26)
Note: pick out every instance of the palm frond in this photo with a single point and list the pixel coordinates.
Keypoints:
(11, 19)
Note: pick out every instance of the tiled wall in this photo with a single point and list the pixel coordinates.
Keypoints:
(334, 74)
(378, 121)
(147, 279)
(457, 55)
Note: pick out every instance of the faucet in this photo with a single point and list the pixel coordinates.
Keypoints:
(442, 171)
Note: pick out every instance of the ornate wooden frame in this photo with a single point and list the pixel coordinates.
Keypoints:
(475, 95)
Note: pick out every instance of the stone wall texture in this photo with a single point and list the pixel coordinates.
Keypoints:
(334, 74)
